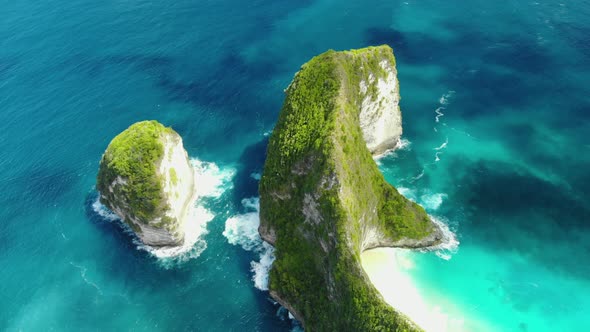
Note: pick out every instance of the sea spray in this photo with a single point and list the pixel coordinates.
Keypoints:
(242, 230)
(432, 202)
(210, 183)
(449, 244)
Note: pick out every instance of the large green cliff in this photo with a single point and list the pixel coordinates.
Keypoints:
(323, 200)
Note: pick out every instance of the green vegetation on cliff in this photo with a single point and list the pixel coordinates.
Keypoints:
(133, 157)
(322, 196)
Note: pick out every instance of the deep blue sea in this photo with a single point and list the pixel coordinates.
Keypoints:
(496, 111)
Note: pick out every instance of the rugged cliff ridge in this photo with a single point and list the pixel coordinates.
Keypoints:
(323, 200)
(145, 177)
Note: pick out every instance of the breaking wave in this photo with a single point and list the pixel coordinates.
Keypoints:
(242, 230)
(449, 244)
(431, 202)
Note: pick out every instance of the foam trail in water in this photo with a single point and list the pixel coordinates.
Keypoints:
(211, 182)
(242, 230)
(439, 114)
(444, 99)
(418, 177)
(83, 271)
(444, 145)
(438, 149)
(408, 193)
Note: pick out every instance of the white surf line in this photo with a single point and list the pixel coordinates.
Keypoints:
(242, 230)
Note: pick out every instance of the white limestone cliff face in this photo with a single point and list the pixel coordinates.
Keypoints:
(179, 181)
(380, 116)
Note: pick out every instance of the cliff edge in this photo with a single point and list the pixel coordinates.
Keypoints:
(323, 200)
(145, 177)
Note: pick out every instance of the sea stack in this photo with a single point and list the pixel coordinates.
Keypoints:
(145, 177)
(323, 200)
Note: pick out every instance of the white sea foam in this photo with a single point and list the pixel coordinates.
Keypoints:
(242, 230)
(408, 193)
(261, 269)
(102, 211)
(432, 201)
(418, 177)
(403, 144)
(444, 99)
(449, 245)
(443, 145)
(439, 148)
(439, 114)
(210, 182)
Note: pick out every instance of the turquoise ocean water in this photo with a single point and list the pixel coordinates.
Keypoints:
(496, 109)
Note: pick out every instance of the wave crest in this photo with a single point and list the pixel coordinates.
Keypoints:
(449, 245)
(242, 230)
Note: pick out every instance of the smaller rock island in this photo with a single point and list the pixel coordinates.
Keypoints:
(145, 177)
